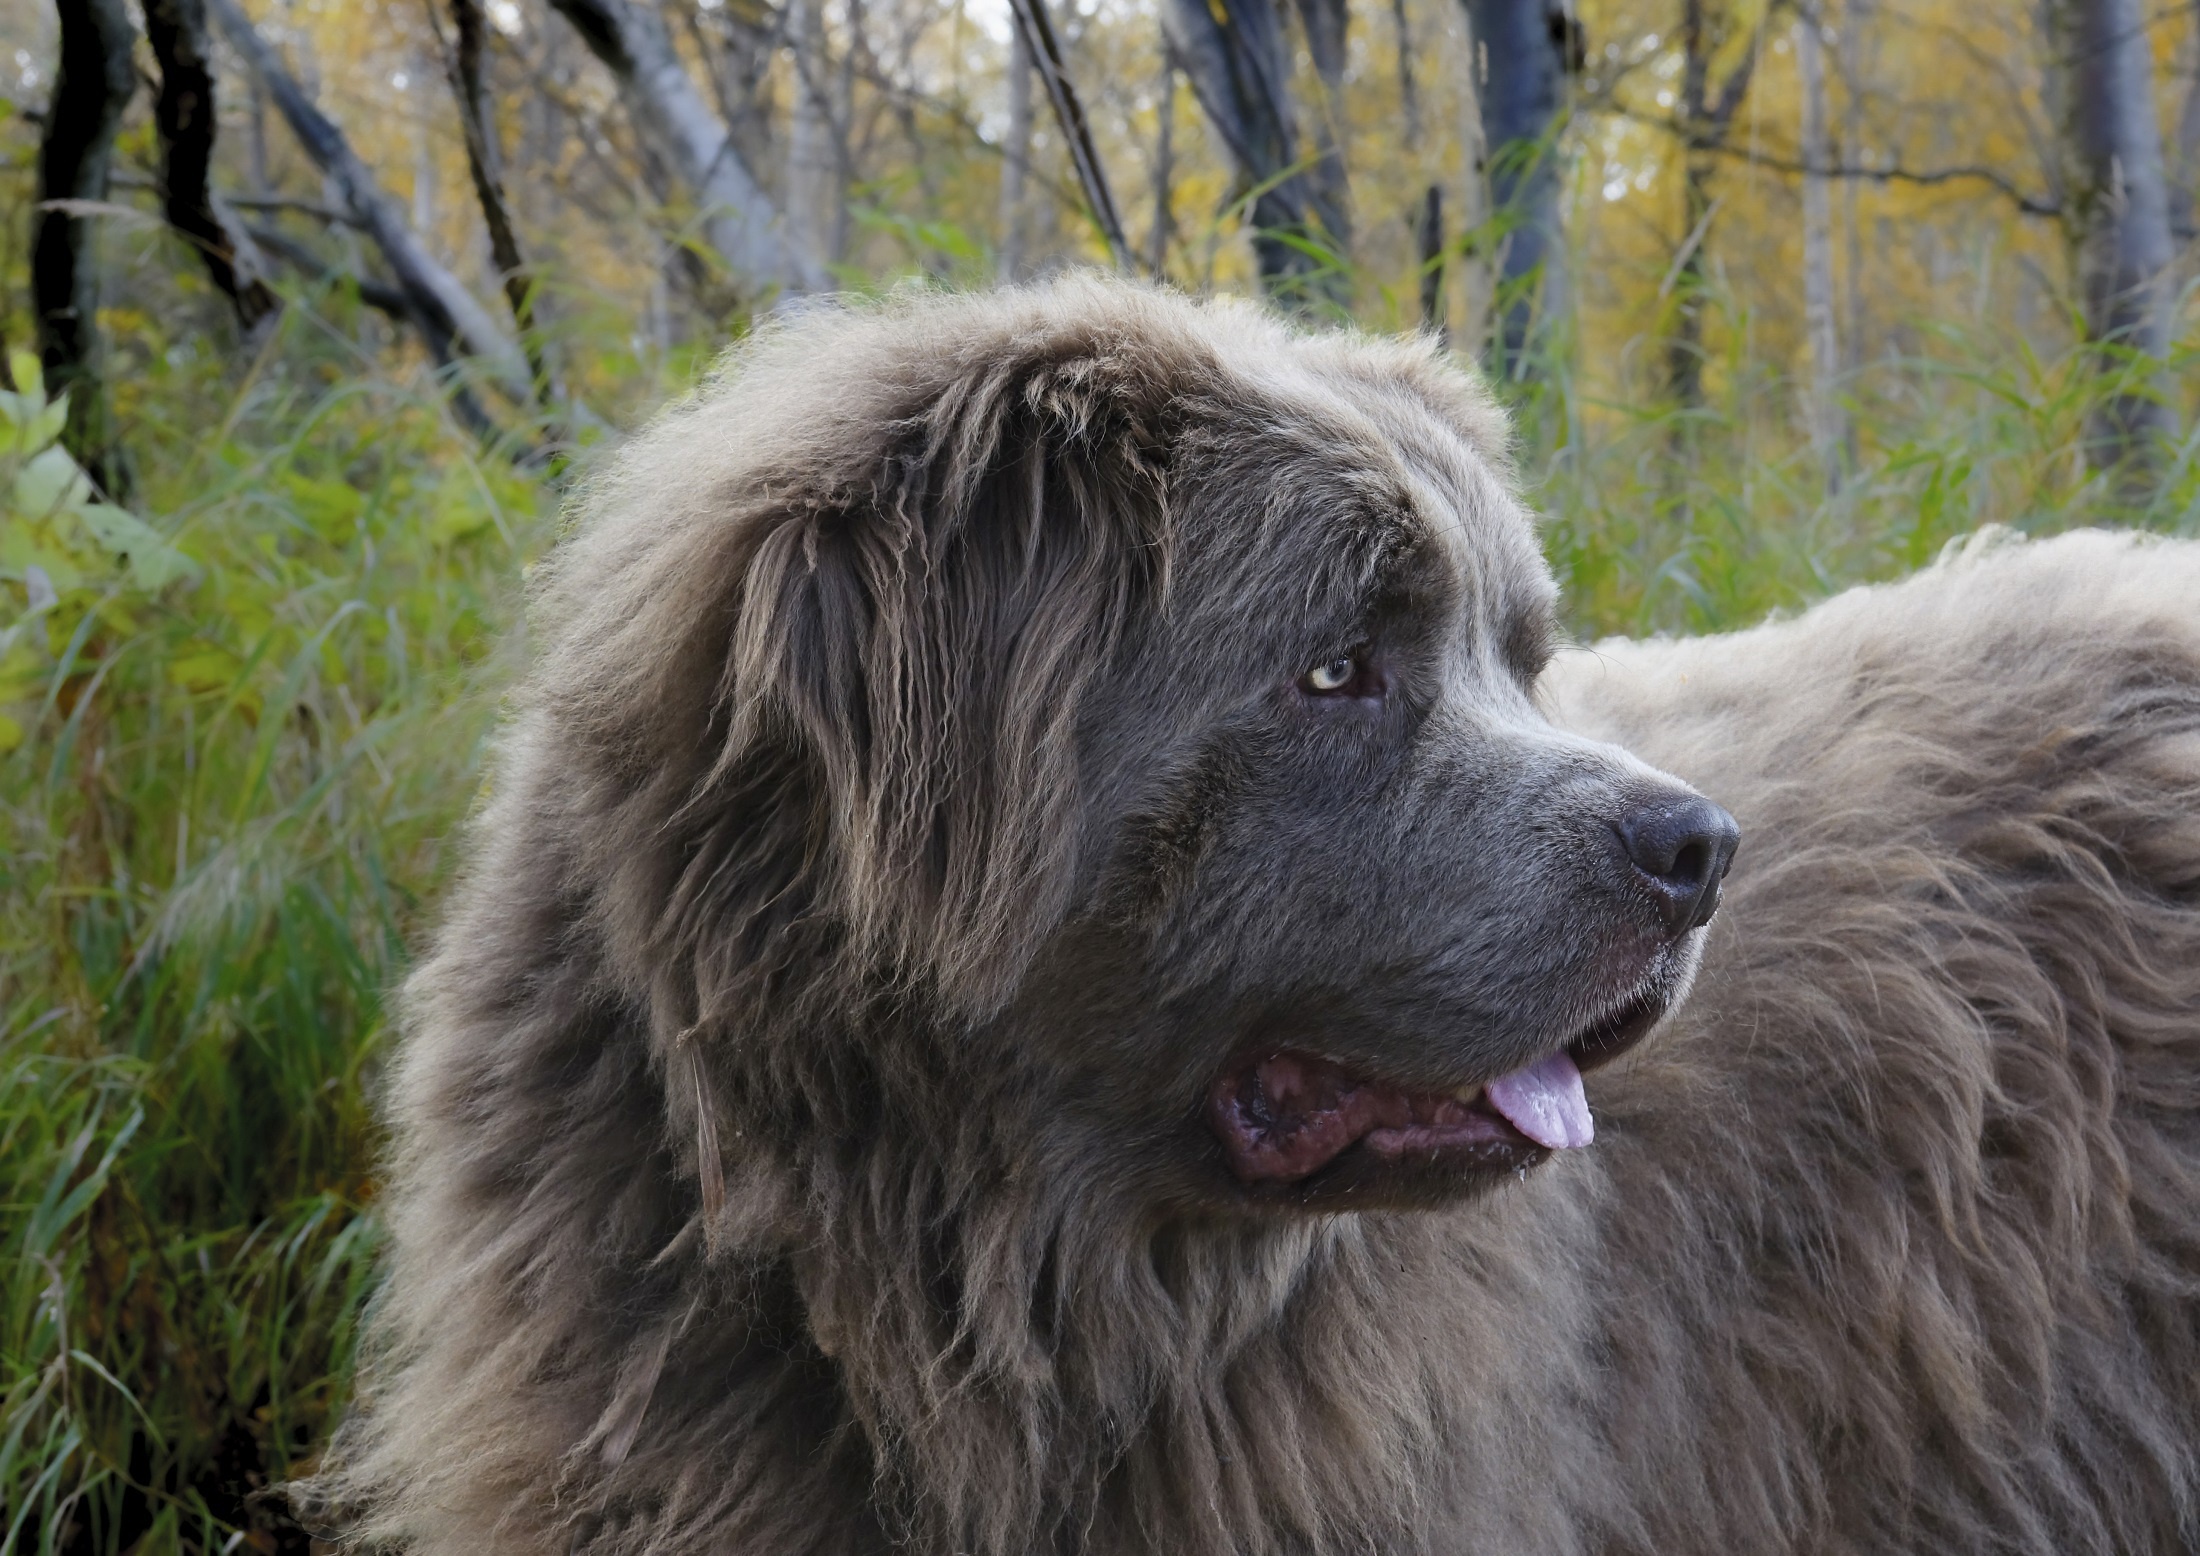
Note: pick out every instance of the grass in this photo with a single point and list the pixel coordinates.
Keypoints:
(232, 766)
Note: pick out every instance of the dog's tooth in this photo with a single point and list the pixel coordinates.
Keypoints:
(1467, 1094)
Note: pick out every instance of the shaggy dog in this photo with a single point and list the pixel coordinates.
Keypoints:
(1025, 981)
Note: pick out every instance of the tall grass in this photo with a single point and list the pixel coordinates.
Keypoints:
(236, 759)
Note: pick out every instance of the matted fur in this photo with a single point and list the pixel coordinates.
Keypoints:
(743, 1202)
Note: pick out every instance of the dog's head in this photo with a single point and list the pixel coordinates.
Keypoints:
(1137, 700)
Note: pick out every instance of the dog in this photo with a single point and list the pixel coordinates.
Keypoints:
(1060, 959)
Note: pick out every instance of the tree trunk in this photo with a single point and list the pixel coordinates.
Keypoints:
(1015, 157)
(438, 297)
(1706, 113)
(1164, 165)
(810, 158)
(1069, 116)
(185, 116)
(1325, 23)
(1856, 21)
(1523, 52)
(90, 90)
(739, 219)
(2117, 202)
(1821, 401)
(1232, 52)
(1428, 217)
(485, 165)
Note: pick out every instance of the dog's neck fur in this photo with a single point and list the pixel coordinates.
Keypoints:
(1018, 1366)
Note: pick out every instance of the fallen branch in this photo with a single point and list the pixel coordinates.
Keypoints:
(739, 219)
(398, 304)
(438, 298)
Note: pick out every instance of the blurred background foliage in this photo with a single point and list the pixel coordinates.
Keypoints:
(1786, 294)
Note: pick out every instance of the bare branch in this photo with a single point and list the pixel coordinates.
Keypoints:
(1069, 112)
(438, 296)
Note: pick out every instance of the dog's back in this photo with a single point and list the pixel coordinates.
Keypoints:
(1906, 1246)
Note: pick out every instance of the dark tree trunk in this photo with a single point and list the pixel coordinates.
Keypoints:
(1524, 51)
(185, 115)
(90, 90)
(2117, 200)
(1233, 53)
(485, 162)
(1431, 246)
(1052, 69)
(1706, 114)
(1326, 23)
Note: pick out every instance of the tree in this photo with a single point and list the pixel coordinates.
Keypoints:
(1524, 51)
(1821, 405)
(185, 115)
(1232, 52)
(1705, 116)
(91, 88)
(2116, 207)
(448, 315)
(739, 220)
(485, 164)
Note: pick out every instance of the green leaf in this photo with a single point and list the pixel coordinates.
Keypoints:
(30, 378)
(154, 563)
(50, 482)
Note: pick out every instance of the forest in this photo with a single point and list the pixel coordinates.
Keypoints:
(313, 313)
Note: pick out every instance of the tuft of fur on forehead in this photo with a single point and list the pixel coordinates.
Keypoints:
(760, 1179)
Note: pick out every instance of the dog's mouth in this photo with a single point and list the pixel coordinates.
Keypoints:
(1288, 1116)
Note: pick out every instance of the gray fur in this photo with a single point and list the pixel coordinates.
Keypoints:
(798, 1132)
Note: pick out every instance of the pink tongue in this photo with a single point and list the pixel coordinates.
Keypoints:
(1545, 1102)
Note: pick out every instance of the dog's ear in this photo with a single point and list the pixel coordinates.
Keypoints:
(903, 673)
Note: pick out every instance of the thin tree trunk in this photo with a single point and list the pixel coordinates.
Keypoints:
(1524, 51)
(1015, 157)
(90, 90)
(1856, 21)
(1706, 115)
(485, 165)
(1326, 23)
(438, 296)
(1428, 217)
(739, 219)
(1069, 114)
(2118, 205)
(2184, 183)
(1164, 165)
(1819, 325)
(1232, 52)
(810, 158)
(185, 116)
(1431, 235)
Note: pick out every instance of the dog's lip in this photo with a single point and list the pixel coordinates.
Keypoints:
(1287, 1115)
(1607, 1037)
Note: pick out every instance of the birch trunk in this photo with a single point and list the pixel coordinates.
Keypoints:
(739, 220)
(1822, 403)
(1520, 69)
(809, 134)
(1015, 156)
(2117, 201)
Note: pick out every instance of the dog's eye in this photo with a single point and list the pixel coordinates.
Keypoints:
(1334, 676)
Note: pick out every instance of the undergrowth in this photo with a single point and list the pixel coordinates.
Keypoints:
(241, 722)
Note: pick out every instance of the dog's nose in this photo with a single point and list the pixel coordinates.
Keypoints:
(1681, 846)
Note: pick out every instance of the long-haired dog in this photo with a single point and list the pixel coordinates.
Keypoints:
(1054, 965)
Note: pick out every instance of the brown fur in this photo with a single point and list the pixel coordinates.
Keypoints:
(790, 1159)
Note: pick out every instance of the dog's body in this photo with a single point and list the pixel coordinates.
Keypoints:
(952, 1042)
